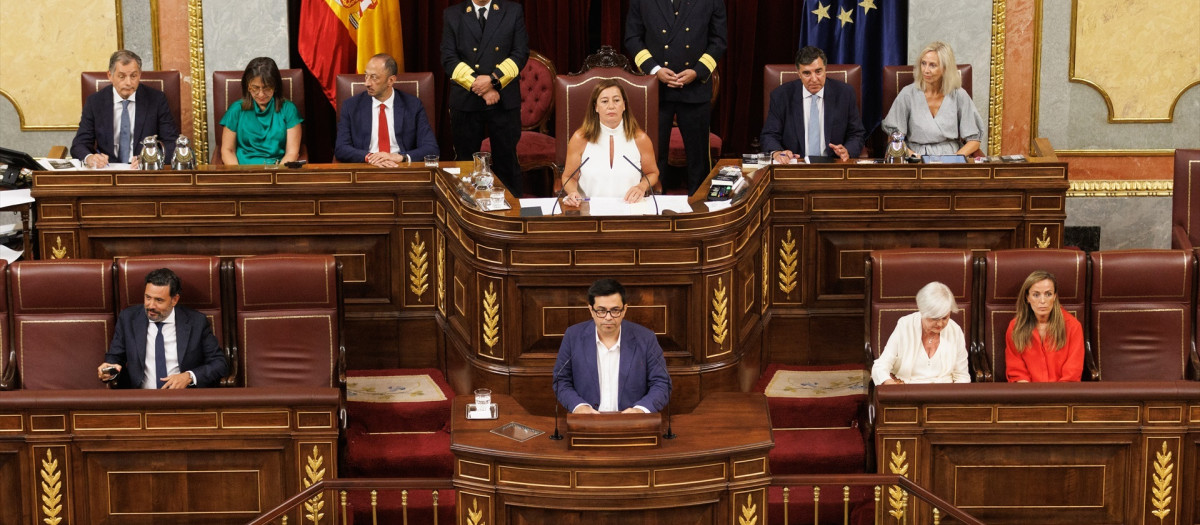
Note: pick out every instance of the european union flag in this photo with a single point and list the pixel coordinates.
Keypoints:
(870, 33)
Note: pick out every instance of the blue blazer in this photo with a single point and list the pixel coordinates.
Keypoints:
(197, 346)
(643, 379)
(153, 117)
(784, 127)
(412, 133)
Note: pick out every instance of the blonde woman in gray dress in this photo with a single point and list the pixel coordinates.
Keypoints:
(935, 113)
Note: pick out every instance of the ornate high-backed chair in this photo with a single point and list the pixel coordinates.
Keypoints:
(419, 85)
(536, 148)
(200, 279)
(62, 318)
(775, 75)
(227, 88)
(165, 81)
(895, 276)
(1185, 200)
(572, 93)
(288, 321)
(1142, 307)
(1003, 272)
(896, 77)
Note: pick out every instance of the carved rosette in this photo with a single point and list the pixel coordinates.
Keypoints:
(51, 494)
(789, 261)
(720, 312)
(418, 267)
(314, 471)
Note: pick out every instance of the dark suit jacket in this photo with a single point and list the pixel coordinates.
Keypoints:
(483, 51)
(196, 344)
(153, 117)
(654, 36)
(643, 378)
(784, 127)
(412, 133)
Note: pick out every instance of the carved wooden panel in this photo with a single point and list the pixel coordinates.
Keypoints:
(15, 507)
(418, 262)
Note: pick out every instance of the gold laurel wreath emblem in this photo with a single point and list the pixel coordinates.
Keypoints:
(491, 317)
(720, 313)
(789, 259)
(314, 471)
(418, 266)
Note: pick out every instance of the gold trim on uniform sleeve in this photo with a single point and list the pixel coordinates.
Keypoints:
(508, 70)
(463, 75)
(708, 61)
(641, 58)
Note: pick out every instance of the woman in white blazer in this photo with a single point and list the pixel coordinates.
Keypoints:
(926, 346)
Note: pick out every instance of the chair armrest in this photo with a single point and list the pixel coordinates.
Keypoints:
(10, 373)
(1179, 238)
(1091, 372)
(979, 364)
(1194, 360)
(232, 357)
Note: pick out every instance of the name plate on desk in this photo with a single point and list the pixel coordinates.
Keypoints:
(591, 431)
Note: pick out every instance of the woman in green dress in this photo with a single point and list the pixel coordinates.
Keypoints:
(262, 127)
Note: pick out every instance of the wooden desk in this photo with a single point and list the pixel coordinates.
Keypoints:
(486, 296)
(715, 471)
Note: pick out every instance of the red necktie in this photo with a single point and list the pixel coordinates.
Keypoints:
(385, 143)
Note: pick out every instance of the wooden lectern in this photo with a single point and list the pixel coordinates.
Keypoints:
(591, 431)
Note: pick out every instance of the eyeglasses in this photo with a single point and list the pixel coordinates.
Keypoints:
(614, 312)
(256, 90)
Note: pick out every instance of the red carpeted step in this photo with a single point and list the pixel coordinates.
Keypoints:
(368, 392)
(415, 455)
(389, 507)
(832, 509)
(817, 451)
(814, 405)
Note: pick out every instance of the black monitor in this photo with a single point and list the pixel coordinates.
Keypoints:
(16, 161)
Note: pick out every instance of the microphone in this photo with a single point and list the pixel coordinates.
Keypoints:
(669, 434)
(652, 197)
(563, 193)
(556, 435)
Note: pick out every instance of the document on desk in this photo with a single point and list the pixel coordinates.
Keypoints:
(601, 206)
(545, 203)
(15, 197)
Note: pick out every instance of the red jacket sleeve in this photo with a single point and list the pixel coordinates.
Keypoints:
(1014, 362)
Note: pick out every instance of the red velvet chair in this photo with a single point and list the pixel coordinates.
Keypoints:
(1142, 308)
(419, 85)
(535, 148)
(1002, 274)
(227, 88)
(1185, 200)
(62, 315)
(676, 155)
(165, 81)
(200, 279)
(288, 321)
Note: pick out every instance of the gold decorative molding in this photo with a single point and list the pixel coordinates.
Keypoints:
(1114, 153)
(314, 471)
(898, 497)
(491, 317)
(996, 97)
(418, 265)
(199, 85)
(749, 512)
(766, 273)
(58, 251)
(1043, 241)
(788, 262)
(474, 514)
(154, 40)
(439, 271)
(720, 312)
(1162, 477)
(1121, 188)
(51, 490)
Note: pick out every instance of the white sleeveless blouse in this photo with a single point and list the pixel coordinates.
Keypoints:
(603, 176)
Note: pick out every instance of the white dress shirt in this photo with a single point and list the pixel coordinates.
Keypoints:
(820, 119)
(172, 352)
(391, 122)
(608, 360)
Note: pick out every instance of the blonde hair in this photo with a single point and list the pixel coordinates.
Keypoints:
(591, 120)
(951, 78)
(1056, 329)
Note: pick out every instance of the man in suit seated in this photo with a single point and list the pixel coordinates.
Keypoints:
(383, 126)
(115, 119)
(792, 129)
(161, 344)
(606, 365)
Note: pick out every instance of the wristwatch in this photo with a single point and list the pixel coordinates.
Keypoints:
(495, 83)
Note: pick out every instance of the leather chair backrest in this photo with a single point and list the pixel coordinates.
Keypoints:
(419, 85)
(1142, 309)
(5, 326)
(537, 92)
(1185, 198)
(1004, 273)
(227, 88)
(200, 280)
(63, 320)
(288, 320)
(775, 75)
(896, 77)
(895, 276)
(165, 81)
(573, 92)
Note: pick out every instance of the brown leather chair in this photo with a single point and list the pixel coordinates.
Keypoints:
(536, 148)
(573, 92)
(775, 75)
(1142, 308)
(1002, 273)
(165, 81)
(896, 77)
(200, 279)
(288, 321)
(419, 85)
(62, 313)
(227, 88)
(1185, 200)
(893, 278)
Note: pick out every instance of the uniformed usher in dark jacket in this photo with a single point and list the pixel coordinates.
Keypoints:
(695, 39)
(501, 49)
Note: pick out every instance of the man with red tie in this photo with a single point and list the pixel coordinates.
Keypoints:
(383, 126)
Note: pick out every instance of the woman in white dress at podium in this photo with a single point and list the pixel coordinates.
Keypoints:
(615, 148)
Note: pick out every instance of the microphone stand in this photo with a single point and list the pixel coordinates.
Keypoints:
(669, 434)
(556, 436)
(559, 196)
(652, 197)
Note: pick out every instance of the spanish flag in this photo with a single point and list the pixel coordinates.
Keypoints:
(340, 36)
